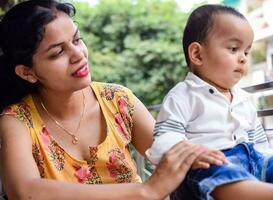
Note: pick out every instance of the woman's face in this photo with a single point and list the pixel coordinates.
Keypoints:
(61, 60)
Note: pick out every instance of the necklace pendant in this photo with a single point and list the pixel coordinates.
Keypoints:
(75, 140)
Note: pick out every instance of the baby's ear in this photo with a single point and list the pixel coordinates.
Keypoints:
(25, 73)
(194, 51)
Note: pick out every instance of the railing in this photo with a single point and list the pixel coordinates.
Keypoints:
(264, 113)
(261, 88)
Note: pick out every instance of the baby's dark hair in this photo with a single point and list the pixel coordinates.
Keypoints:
(22, 29)
(200, 23)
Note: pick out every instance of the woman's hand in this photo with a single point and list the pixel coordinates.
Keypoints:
(172, 169)
(209, 157)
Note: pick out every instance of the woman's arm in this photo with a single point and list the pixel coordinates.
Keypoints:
(142, 135)
(21, 178)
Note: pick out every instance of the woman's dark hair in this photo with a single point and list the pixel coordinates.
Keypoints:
(22, 29)
(201, 22)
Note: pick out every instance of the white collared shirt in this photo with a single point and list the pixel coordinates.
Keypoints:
(196, 111)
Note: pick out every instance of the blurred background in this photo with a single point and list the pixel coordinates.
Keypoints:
(137, 43)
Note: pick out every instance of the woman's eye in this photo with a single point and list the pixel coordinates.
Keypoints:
(55, 55)
(77, 41)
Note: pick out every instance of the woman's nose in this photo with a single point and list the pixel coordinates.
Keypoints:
(75, 54)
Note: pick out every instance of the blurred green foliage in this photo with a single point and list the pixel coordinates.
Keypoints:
(136, 43)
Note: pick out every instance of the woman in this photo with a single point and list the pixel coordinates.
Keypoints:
(59, 129)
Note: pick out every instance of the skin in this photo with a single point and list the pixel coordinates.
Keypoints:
(61, 53)
(222, 61)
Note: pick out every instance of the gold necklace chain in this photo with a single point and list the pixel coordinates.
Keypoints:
(75, 139)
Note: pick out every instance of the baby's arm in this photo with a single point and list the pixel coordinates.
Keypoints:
(164, 142)
(170, 129)
(161, 145)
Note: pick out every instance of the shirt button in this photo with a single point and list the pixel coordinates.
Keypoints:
(233, 136)
(211, 91)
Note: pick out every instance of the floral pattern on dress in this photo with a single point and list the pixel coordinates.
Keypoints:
(22, 112)
(93, 156)
(39, 159)
(82, 173)
(118, 167)
(109, 91)
(55, 152)
(88, 174)
(123, 118)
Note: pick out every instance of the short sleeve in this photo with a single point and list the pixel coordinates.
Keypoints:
(118, 102)
(125, 101)
(20, 111)
(170, 126)
(173, 116)
(257, 134)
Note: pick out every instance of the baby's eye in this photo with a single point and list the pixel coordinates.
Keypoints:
(246, 53)
(233, 49)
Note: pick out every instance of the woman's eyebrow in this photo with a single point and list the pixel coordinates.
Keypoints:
(60, 43)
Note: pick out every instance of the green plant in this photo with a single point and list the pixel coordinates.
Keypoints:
(135, 43)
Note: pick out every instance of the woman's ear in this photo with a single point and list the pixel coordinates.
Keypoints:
(195, 56)
(25, 73)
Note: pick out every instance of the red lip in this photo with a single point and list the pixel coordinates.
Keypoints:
(81, 71)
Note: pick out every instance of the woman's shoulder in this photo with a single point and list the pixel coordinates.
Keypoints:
(20, 110)
(103, 85)
(111, 90)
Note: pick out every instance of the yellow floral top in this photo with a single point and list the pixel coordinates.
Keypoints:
(110, 161)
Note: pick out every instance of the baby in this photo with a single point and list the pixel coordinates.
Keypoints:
(209, 108)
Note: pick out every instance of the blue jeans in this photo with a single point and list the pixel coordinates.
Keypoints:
(245, 163)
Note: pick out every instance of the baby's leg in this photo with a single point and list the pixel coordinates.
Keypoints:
(239, 179)
(269, 170)
(203, 183)
(250, 189)
(244, 190)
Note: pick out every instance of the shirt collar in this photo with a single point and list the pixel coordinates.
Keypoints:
(194, 81)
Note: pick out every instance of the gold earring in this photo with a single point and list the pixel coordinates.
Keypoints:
(32, 80)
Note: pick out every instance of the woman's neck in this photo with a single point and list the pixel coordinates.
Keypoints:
(61, 105)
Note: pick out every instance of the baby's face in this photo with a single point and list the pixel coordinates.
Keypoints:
(225, 52)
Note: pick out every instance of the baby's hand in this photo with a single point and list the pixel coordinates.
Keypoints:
(209, 157)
